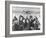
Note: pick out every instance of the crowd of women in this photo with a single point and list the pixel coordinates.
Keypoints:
(25, 23)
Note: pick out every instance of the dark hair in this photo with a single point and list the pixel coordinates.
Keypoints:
(15, 18)
(30, 16)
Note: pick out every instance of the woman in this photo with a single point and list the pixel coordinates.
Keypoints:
(31, 23)
(36, 24)
(15, 24)
(26, 24)
(21, 23)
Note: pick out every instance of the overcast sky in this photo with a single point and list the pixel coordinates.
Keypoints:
(21, 9)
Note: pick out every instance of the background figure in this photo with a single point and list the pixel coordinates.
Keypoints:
(15, 24)
(36, 24)
(30, 18)
(15, 19)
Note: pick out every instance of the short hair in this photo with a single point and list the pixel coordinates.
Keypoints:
(30, 16)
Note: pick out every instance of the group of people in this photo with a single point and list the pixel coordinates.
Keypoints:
(25, 23)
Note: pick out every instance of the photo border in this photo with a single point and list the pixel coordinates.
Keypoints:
(7, 18)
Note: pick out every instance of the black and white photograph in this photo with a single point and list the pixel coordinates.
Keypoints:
(26, 18)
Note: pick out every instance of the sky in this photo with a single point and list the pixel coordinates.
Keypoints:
(23, 9)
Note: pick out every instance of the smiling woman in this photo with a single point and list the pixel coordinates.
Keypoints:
(25, 18)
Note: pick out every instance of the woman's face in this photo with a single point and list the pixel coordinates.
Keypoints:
(30, 19)
(24, 20)
(27, 21)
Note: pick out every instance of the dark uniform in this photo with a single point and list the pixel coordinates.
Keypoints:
(31, 24)
(15, 25)
(26, 26)
(36, 25)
